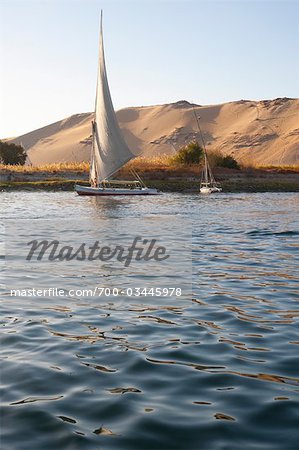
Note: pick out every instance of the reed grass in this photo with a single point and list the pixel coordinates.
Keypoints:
(163, 162)
(141, 164)
(53, 168)
(268, 167)
(248, 163)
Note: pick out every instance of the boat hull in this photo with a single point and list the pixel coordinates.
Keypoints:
(88, 190)
(209, 190)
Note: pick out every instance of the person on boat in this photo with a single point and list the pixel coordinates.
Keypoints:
(94, 182)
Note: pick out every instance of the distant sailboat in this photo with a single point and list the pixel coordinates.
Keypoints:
(208, 184)
(109, 151)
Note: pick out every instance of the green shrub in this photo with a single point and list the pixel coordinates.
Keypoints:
(216, 159)
(230, 162)
(190, 154)
(12, 154)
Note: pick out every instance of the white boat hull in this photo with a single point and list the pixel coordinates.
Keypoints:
(88, 190)
(209, 190)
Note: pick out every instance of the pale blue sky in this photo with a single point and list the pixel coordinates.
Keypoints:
(157, 51)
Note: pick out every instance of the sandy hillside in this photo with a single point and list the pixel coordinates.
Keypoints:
(263, 133)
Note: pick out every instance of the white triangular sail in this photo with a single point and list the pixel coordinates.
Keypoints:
(109, 150)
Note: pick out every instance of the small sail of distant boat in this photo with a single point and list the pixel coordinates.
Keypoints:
(208, 184)
(109, 151)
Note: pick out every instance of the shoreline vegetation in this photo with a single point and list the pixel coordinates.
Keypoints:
(158, 172)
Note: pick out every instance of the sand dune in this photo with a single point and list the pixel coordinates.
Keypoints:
(263, 133)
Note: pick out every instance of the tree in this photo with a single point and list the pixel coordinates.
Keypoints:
(12, 154)
(190, 154)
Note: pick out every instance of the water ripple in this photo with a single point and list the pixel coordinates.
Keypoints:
(215, 371)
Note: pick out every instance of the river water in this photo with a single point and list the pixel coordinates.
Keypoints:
(214, 368)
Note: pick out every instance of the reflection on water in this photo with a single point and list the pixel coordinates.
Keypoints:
(216, 371)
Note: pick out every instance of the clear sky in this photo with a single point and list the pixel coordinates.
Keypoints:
(157, 51)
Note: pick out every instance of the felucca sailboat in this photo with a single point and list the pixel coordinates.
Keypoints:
(109, 150)
(208, 184)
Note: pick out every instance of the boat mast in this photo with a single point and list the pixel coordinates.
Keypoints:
(93, 174)
(205, 171)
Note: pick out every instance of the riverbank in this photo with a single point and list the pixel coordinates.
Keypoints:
(160, 176)
(183, 186)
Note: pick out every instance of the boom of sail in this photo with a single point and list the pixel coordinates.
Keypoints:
(109, 149)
